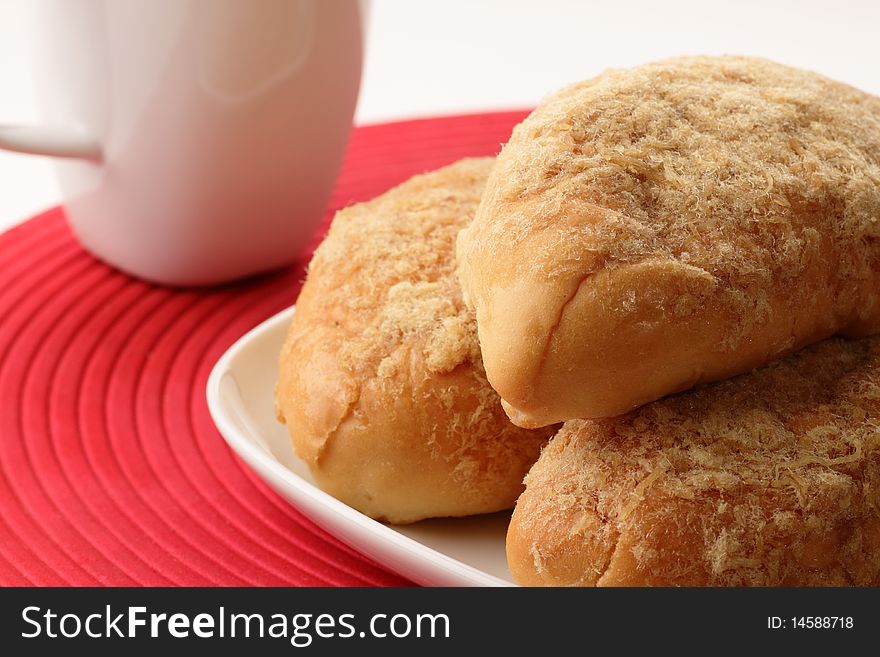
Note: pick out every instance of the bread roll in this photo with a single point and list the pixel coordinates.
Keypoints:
(381, 383)
(768, 479)
(673, 224)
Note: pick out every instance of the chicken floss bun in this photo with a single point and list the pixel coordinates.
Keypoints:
(381, 383)
(768, 479)
(672, 224)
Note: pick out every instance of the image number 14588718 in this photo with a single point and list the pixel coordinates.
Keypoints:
(810, 623)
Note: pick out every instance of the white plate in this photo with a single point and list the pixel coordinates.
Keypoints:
(445, 552)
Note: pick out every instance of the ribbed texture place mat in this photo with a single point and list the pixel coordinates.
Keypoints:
(111, 471)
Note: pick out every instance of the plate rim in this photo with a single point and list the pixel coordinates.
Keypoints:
(381, 534)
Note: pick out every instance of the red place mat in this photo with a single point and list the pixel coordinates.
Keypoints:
(111, 471)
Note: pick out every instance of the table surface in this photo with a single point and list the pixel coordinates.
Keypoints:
(430, 58)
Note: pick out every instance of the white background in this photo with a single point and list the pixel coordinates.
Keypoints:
(426, 57)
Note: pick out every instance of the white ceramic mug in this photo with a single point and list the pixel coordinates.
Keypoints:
(201, 138)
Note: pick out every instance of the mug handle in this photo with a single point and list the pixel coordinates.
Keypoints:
(55, 141)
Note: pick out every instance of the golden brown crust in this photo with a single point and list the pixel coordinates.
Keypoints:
(675, 223)
(381, 382)
(770, 478)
